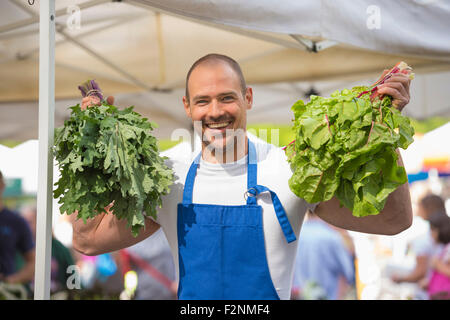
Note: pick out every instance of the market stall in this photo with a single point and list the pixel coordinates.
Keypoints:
(313, 39)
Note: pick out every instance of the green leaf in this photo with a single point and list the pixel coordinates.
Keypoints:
(313, 185)
(107, 154)
(346, 147)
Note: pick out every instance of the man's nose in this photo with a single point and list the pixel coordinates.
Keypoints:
(215, 109)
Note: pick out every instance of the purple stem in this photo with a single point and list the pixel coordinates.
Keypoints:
(288, 145)
(369, 133)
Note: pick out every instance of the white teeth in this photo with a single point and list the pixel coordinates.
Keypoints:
(218, 125)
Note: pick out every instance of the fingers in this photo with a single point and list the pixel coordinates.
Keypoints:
(402, 78)
(109, 206)
(399, 100)
(84, 103)
(400, 90)
(89, 101)
(397, 86)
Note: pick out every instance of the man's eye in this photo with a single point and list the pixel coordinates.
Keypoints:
(228, 98)
(202, 102)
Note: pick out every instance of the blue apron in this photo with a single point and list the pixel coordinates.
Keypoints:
(221, 248)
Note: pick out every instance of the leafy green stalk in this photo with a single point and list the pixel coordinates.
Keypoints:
(105, 154)
(346, 147)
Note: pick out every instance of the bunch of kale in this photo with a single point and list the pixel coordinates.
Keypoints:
(105, 154)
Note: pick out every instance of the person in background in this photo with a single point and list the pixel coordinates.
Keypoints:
(152, 261)
(61, 256)
(15, 237)
(324, 262)
(423, 247)
(438, 285)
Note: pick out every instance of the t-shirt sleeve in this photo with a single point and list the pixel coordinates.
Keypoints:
(422, 245)
(343, 260)
(25, 240)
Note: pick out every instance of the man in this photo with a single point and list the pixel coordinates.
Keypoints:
(423, 246)
(152, 253)
(15, 237)
(61, 255)
(323, 262)
(232, 221)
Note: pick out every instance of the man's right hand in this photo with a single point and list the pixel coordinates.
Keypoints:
(94, 100)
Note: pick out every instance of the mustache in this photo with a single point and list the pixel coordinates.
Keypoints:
(217, 120)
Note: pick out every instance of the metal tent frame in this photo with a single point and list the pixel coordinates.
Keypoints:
(45, 169)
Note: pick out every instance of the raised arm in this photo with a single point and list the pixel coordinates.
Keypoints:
(106, 233)
(394, 218)
(397, 213)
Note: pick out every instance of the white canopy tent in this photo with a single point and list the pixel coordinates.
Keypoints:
(314, 40)
(139, 51)
(148, 46)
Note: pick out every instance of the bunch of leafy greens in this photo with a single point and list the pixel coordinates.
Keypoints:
(108, 155)
(346, 147)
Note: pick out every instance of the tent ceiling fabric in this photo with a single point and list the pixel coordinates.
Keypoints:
(406, 27)
(137, 46)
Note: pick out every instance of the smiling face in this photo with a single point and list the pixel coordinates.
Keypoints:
(217, 105)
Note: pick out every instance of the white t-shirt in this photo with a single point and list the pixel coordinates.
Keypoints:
(225, 184)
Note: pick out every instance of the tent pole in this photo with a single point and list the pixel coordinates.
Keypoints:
(45, 169)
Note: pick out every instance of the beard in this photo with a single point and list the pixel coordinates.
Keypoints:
(222, 143)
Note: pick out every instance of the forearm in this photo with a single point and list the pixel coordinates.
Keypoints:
(106, 233)
(24, 275)
(397, 212)
(443, 268)
(84, 232)
(395, 217)
(415, 276)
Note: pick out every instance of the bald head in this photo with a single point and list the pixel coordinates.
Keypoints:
(213, 59)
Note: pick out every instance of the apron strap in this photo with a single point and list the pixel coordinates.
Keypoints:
(252, 171)
(190, 178)
(279, 210)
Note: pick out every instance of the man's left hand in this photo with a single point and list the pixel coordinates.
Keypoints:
(397, 86)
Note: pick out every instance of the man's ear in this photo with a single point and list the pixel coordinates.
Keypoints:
(187, 107)
(249, 97)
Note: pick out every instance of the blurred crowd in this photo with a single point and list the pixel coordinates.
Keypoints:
(331, 264)
(143, 271)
